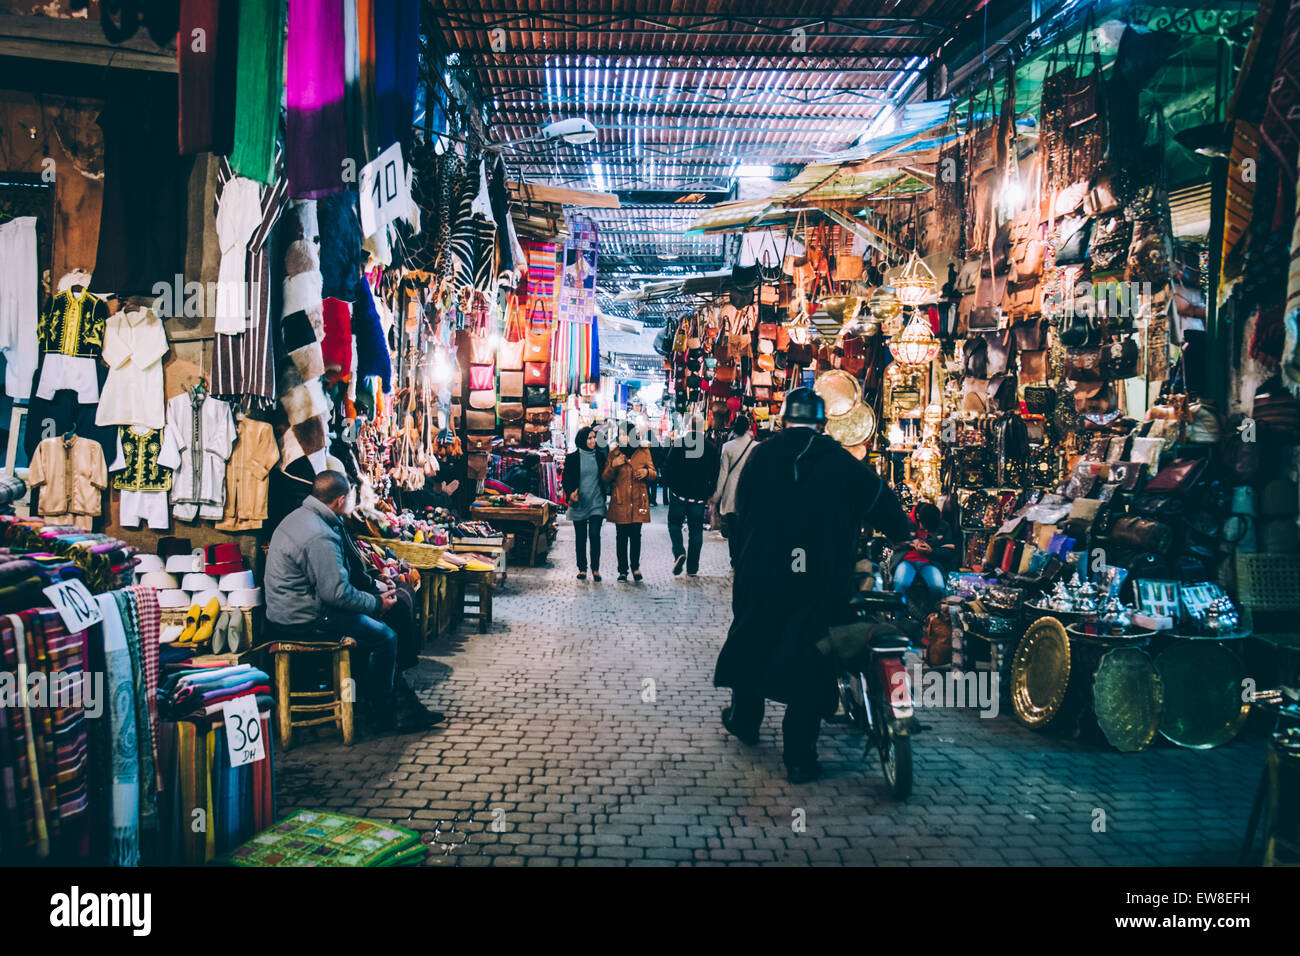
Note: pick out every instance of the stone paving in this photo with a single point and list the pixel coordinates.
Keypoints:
(583, 730)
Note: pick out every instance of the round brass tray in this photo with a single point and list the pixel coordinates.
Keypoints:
(854, 427)
(1127, 698)
(1203, 705)
(839, 390)
(1040, 672)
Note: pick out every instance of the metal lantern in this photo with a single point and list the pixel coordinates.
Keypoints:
(916, 283)
(916, 345)
(885, 309)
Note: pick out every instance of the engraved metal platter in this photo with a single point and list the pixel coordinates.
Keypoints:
(839, 390)
(1040, 672)
(854, 427)
(1127, 698)
(1203, 691)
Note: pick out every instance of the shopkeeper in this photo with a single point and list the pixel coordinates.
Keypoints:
(309, 590)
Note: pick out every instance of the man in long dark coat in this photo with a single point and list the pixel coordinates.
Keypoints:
(802, 502)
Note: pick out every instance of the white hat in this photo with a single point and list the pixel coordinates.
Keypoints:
(170, 634)
(236, 580)
(198, 581)
(144, 563)
(160, 580)
(246, 597)
(184, 563)
(173, 598)
(203, 597)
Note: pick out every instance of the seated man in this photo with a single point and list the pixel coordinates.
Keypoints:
(930, 555)
(310, 588)
(525, 477)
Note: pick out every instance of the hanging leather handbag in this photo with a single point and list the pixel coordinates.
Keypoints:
(512, 434)
(510, 411)
(480, 420)
(1109, 244)
(481, 351)
(483, 398)
(1084, 365)
(975, 395)
(1101, 199)
(1032, 366)
(999, 349)
(1039, 399)
(537, 396)
(477, 441)
(476, 466)
(1075, 234)
(1002, 393)
(1143, 534)
(1030, 336)
(482, 377)
(537, 346)
(536, 433)
(1120, 359)
(510, 353)
(537, 373)
(975, 356)
(510, 356)
(1095, 398)
(511, 384)
(1026, 253)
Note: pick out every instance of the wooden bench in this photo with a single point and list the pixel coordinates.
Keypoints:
(312, 708)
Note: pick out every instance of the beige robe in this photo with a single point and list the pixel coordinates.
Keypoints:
(255, 454)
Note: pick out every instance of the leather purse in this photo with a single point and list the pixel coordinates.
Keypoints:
(511, 384)
(480, 350)
(538, 415)
(482, 377)
(998, 349)
(536, 433)
(510, 356)
(1178, 477)
(1002, 393)
(1033, 367)
(1120, 360)
(1025, 257)
(480, 441)
(480, 420)
(537, 346)
(1101, 198)
(510, 411)
(512, 434)
(537, 396)
(1143, 534)
(483, 398)
(1075, 234)
(975, 357)
(1030, 336)
(537, 373)
(476, 466)
(761, 377)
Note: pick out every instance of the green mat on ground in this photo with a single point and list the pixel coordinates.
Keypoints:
(322, 838)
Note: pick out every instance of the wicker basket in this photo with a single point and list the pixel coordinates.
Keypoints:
(1268, 582)
(422, 557)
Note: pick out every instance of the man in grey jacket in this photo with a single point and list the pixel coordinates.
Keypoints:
(734, 455)
(309, 588)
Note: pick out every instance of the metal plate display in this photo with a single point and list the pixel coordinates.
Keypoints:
(1127, 698)
(1040, 672)
(853, 428)
(1203, 705)
(839, 390)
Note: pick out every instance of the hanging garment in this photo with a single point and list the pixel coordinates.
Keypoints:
(316, 138)
(134, 346)
(120, 698)
(71, 475)
(239, 212)
(336, 347)
(396, 52)
(19, 283)
(246, 476)
(74, 325)
(243, 364)
(197, 442)
(206, 57)
(258, 85)
(143, 217)
(373, 357)
(143, 484)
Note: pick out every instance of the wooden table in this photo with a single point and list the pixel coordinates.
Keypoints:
(534, 519)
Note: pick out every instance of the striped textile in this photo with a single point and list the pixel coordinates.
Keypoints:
(148, 774)
(53, 650)
(243, 364)
(148, 618)
(541, 282)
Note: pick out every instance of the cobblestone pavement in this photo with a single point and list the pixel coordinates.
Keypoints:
(583, 729)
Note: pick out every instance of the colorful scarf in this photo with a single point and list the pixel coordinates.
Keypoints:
(316, 136)
(258, 86)
(143, 731)
(148, 618)
(120, 692)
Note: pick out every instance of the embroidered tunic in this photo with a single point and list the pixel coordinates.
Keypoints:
(197, 441)
(73, 325)
(138, 464)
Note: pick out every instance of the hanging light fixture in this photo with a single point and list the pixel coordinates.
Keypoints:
(916, 283)
(916, 345)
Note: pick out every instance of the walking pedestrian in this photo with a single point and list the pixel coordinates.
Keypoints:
(734, 455)
(689, 473)
(584, 490)
(627, 469)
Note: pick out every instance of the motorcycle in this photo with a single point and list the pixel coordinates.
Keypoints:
(875, 687)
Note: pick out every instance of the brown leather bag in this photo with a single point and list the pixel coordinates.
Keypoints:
(479, 441)
(510, 411)
(938, 639)
(512, 434)
(481, 420)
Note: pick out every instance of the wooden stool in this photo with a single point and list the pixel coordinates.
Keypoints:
(332, 706)
(463, 606)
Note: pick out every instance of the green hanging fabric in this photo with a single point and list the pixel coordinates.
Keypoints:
(259, 86)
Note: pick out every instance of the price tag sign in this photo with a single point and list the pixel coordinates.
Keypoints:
(75, 605)
(243, 731)
(385, 194)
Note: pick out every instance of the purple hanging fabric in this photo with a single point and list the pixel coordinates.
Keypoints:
(316, 140)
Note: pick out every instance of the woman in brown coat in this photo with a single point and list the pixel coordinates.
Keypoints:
(627, 470)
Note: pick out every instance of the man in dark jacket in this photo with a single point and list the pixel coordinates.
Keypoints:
(801, 503)
(311, 588)
(525, 477)
(689, 473)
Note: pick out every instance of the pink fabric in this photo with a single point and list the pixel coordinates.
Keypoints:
(316, 140)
